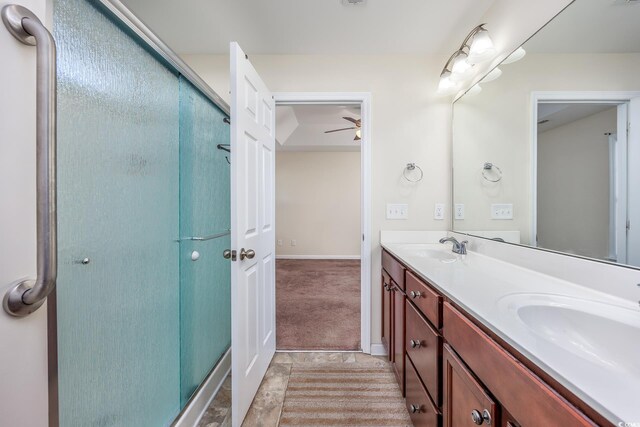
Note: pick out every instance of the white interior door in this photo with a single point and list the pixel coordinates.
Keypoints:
(253, 332)
(23, 351)
(633, 189)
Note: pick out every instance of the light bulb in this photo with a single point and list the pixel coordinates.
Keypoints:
(446, 86)
(481, 48)
(358, 134)
(460, 64)
(517, 55)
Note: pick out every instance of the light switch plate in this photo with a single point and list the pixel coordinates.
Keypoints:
(459, 211)
(438, 212)
(502, 211)
(397, 211)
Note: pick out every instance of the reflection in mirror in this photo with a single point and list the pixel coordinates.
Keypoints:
(541, 152)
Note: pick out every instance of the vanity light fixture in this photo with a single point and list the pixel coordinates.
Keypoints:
(477, 47)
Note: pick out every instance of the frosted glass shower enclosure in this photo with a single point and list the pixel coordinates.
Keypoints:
(143, 294)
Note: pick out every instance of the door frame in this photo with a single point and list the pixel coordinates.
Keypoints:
(364, 100)
(551, 97)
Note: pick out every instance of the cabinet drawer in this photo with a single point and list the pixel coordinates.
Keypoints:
(423, 412)
(427, 300)
(424, 349)
(393, 268)
(525, 395)
(466, 403)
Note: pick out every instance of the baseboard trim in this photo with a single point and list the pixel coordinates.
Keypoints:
(378, 350)
(318, 257)
(198, 404)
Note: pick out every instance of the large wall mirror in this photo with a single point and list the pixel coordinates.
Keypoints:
(546, 148)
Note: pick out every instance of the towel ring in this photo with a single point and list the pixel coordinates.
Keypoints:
(411, 167)
(489, 166)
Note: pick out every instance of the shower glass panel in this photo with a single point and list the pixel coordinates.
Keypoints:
(140, 324)
(205, 283)
(118, 188)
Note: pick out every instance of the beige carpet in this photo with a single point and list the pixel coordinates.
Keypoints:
(317, 304)
(338, 395)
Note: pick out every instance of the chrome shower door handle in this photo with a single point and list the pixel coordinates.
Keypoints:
(26, 296)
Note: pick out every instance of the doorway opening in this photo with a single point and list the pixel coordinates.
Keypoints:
(583, 140)
(322, 236)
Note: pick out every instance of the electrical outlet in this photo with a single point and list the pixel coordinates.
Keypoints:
(293, 243)
(502, 211)
(438, 212)
(279, 242)
(459, 211)
(397, 211)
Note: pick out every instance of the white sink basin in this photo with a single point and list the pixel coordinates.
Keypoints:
(439, 252)
(601, 333)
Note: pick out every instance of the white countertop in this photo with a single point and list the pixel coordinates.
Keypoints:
(587, 340)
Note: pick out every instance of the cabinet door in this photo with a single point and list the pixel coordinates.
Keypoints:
(398, 335)
(466, 403)
(386, 313)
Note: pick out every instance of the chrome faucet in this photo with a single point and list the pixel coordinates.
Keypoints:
(458, 247)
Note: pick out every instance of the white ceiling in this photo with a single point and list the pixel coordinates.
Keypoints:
(302, 127)
(310, 26)
(591, 26)
(561, 114)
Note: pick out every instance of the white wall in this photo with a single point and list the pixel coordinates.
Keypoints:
(23, 352)
(318, 203)
(573, 186)
(495, 126)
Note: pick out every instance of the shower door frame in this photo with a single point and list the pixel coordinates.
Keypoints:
(363, 99)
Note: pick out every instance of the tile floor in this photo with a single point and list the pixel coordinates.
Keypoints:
(267, 405)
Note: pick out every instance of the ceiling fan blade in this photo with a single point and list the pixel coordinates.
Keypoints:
(352, 120)
(339, 130)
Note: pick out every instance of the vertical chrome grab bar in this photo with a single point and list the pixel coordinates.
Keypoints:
(26, 296)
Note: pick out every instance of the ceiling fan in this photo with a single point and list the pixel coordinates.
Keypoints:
(356, 122)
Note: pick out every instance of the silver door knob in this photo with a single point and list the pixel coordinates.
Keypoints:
(415, 409)
(249, 254)
(229, 254)
(415, 343)
(476, 417)
(415, 294)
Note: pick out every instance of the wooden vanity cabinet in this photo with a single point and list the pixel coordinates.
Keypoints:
(455, 371)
